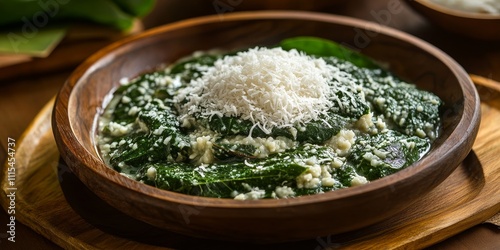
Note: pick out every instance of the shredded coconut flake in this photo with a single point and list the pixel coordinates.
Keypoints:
(271, 87)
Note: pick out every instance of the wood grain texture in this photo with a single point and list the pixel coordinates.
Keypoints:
(84, 93)
(467, 197)
(488, 89)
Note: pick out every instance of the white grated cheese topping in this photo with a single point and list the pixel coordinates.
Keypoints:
(271, 87)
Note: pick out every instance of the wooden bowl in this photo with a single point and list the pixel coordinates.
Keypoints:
(474, 25)
(87, 90)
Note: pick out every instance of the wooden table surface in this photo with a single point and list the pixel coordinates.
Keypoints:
(21, 98)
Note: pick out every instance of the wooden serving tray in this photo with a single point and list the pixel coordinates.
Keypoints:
(52, 201)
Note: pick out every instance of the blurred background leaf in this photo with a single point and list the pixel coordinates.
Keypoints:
(40, 45)
(33, 27)
(119, 14)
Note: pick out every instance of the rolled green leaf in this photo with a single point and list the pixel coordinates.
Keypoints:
(225, 180)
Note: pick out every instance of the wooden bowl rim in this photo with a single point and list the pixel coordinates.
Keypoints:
(466, 125)
(453, 12)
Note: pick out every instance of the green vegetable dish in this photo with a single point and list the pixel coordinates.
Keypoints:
(304, 117)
